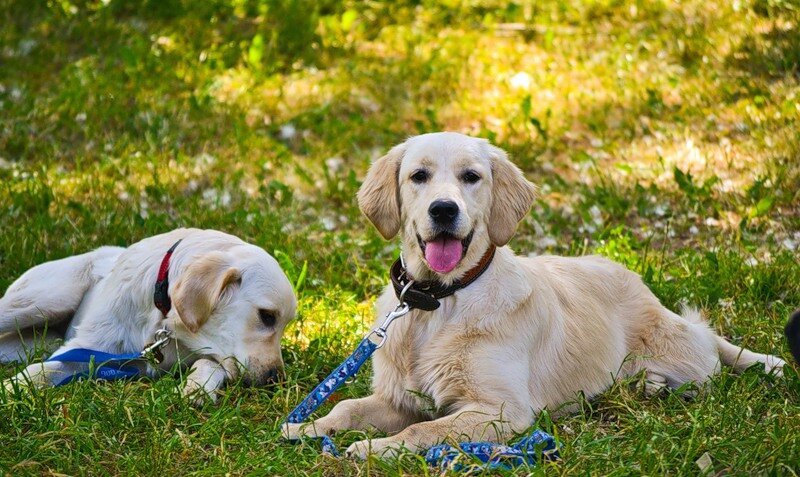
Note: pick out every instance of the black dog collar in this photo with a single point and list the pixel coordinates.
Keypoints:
(426, 295)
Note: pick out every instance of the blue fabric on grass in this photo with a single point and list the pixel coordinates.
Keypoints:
(493, 455)
(107, 366)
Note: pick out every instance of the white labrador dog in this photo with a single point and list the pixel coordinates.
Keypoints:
(230, 302)
(528, 333)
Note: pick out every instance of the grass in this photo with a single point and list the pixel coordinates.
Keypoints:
(662, 134)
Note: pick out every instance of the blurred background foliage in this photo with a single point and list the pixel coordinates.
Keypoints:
(675, 120)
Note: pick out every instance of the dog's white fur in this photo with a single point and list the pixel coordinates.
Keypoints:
(528, 334)
(218, 284)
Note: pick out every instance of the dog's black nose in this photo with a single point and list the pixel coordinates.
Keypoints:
(272, 376)
(443, 212)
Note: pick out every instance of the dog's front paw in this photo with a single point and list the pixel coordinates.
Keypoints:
(9, 386)
(294, 432)
(17, 386)
(197, 394)
(774, 365)
(386, 448)
(359, 449)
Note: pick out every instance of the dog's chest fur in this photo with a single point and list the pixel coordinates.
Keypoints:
(431, 361)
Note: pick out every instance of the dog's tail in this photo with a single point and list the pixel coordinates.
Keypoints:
(732, 355)
(792, 332)
(742, 358)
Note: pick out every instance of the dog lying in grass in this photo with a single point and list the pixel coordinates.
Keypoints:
(225, 302)
(525, 334)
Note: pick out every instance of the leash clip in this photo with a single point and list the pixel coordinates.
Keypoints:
(401, 309)
(380, 332)
(162, 337)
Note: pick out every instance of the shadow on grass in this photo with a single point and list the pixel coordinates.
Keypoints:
(772, 54)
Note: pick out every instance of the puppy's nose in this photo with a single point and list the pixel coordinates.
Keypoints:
(272, 376)
(443, 212)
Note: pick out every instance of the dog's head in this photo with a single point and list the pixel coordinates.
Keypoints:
(450, 196)
(233, 306)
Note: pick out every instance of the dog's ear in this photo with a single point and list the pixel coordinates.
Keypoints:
(379, 195)
(199, 288)
(512, 197)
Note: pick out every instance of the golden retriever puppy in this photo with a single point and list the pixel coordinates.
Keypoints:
(528, 333)
(226, 303)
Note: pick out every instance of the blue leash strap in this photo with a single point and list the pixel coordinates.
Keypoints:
(346, 370)
(341, 374)
(108, 366)
(334, 381)
(493, 455)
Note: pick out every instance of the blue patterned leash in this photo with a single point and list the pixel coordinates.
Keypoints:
(345, 371)
(109, 366)
(492, 455)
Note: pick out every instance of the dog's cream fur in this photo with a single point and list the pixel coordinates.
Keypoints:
(104, 300)
(529, 333)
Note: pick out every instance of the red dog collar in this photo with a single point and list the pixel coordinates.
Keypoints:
(161, 295)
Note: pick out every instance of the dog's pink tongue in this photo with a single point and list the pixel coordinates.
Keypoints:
(443, 254)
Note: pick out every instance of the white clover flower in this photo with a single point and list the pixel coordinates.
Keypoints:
(597, 215)
(210, 195)
(335, 164)
(204, 159)
(288, 131)
(328, 223)
(225, 199)
(520, 80)
(546, 241)
(26, 46)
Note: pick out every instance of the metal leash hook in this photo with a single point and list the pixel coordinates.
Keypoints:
(401, 309)
(162, 337)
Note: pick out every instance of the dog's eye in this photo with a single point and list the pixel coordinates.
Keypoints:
(267, 317)
(470, 177)
(419, 176)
